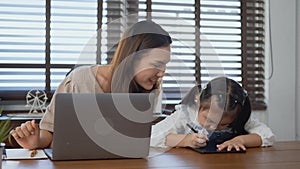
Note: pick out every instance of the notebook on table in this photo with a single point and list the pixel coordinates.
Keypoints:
(216, 138)
(212, 149)
(101, 126)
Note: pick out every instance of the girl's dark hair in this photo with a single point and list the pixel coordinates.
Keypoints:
(137, 40)
(230, 96)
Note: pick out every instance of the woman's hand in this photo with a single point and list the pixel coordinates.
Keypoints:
(195, 140)
(234, 143)
(27, 135)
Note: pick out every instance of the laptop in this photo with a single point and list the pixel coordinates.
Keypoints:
(102, 126)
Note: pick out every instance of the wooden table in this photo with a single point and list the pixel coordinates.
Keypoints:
(283, 155)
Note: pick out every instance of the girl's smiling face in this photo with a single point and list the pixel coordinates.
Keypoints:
(151, 68)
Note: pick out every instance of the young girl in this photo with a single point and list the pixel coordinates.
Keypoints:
(222, 107)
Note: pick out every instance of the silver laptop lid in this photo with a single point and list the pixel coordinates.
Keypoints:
(102, 126)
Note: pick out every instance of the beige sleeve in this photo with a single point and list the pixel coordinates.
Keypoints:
(47, 121)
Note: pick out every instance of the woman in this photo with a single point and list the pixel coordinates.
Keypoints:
(138, 66)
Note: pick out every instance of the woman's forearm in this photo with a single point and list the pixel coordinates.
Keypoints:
(45, 139)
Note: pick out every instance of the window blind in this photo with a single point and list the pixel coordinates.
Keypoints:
(253, 55)
(46, 38)
(229, 41)
(118, 16)
(22, 46)
(177, 17)
(73, 36)
(220, 37)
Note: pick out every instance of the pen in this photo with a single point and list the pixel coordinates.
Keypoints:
(33, 153)
(203, 131)
(194, 130)
(4, 153)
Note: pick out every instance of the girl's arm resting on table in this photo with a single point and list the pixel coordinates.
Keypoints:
(255, 126)
(172, 124)
(175, 140)
(250, 140)
(194, 140)
(241, 142)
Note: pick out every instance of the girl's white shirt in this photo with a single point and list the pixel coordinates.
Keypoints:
(176, 123)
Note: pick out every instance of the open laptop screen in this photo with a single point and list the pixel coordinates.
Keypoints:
(101, 126)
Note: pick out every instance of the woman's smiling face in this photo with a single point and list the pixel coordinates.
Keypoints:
(151, 68)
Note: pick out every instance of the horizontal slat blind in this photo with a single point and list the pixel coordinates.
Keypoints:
(22, 45)
(113, 27)
(118, 16)
(177, 17)
(253, 51)
(40, 41)
(73, 36)
(220, 47)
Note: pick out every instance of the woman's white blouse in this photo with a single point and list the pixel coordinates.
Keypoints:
(176, 124)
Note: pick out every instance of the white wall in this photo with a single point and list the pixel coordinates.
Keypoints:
(298, 69)
(282, 117)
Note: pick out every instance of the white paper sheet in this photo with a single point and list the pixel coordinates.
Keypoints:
(22, 154)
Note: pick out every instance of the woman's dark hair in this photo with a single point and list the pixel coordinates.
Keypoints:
(134, 43)
(230, 97)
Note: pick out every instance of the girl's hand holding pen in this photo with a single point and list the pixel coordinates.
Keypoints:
(195, 140)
